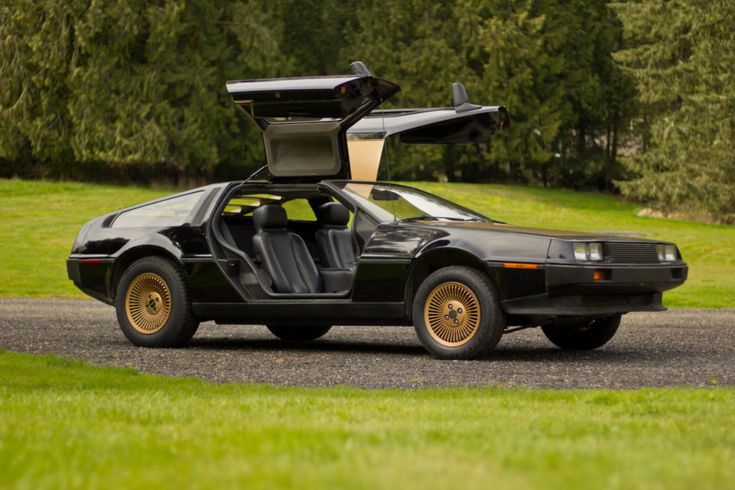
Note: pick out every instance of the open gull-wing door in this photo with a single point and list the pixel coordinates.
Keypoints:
(462, 124)
(304, 120)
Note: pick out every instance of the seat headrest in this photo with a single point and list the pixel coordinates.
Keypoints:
(269, 216)
(333, 214)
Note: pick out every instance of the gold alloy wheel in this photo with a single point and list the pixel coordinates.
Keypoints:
(452, 314)
(148, 303)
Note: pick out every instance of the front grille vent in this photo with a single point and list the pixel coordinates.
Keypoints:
(630, 253)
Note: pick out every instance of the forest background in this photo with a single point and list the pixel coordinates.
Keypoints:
(622, 97)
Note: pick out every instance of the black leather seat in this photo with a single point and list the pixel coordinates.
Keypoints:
(334, 239)
(283, 254)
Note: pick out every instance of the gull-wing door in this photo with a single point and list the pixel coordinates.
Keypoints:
(464, 123)
(304, 120)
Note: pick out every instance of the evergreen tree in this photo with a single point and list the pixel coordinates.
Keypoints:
(130, 82)
(138, 87)
(36, 49)
(548, 61)
(682, 54)
(598, 97)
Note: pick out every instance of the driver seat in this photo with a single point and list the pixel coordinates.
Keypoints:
(283, 254)
(333, 238)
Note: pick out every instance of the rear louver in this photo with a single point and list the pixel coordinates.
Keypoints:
(108, 221)
(631, 253)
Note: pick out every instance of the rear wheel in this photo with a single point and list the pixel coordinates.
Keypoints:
(457, 315)
(298, 333)
(153, 305)
(584, 335)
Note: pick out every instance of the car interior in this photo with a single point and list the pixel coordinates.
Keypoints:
(297, 243)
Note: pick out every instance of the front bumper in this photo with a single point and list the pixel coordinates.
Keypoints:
(633, 279)
(586, 290)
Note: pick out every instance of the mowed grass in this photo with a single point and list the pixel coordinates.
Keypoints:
(65, 424)
(38, 223)
(39, 220)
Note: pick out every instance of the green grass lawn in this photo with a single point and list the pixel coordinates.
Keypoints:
(39, 220)
(65, 424)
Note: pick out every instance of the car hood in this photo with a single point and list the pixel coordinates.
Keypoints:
(506, 228)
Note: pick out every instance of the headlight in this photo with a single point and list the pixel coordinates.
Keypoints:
(588, 251)
(580, 251)
(666, 253)
(595, 251)
(670, 253)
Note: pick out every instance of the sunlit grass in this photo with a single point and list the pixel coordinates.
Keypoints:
(39, 220)
(65, 424)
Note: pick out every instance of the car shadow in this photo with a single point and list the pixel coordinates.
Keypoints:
(315, 346)
(509, 353)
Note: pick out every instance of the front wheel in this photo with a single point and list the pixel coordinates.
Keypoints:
(584, 335)
(298, 333)
(153, 305)
(457, 315)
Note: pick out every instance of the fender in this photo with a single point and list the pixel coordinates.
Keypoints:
(433, 257)
(134, 250)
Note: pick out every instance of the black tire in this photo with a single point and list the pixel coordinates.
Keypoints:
(585, 335)
(180, 323)
(298, 333)
(484, 329)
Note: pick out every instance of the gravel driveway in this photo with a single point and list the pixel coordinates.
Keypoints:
(679, 347)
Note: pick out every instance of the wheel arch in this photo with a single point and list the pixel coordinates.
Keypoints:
(127, 258)
(433, 260)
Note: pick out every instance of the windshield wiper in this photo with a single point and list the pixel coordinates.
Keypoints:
(433, 218)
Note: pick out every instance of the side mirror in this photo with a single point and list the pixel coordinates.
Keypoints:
(460, 99)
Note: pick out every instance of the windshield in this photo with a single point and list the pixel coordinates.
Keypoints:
(390, 202)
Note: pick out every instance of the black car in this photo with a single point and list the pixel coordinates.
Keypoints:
(320, 243)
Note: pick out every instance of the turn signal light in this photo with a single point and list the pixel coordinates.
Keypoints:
(516, 265)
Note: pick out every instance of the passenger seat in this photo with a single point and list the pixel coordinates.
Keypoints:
(283, 254)
(333, 238)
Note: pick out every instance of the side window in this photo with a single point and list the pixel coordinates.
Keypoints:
(299, 209)
(245, 205)
(171, 212)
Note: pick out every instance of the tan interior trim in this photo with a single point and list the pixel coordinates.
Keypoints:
(365, 158)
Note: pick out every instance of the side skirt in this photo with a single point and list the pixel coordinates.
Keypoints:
(303, 312)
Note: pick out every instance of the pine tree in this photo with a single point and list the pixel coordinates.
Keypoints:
(682, 54)
(36, 50)
(118, 83)
(548, 61)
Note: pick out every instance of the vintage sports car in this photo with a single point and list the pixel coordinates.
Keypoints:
(320, 243)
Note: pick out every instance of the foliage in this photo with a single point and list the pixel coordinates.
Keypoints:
(118, 90)
(549, 62)
(137, 86)
(681, 53)
(45, 217)
(128, 82)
